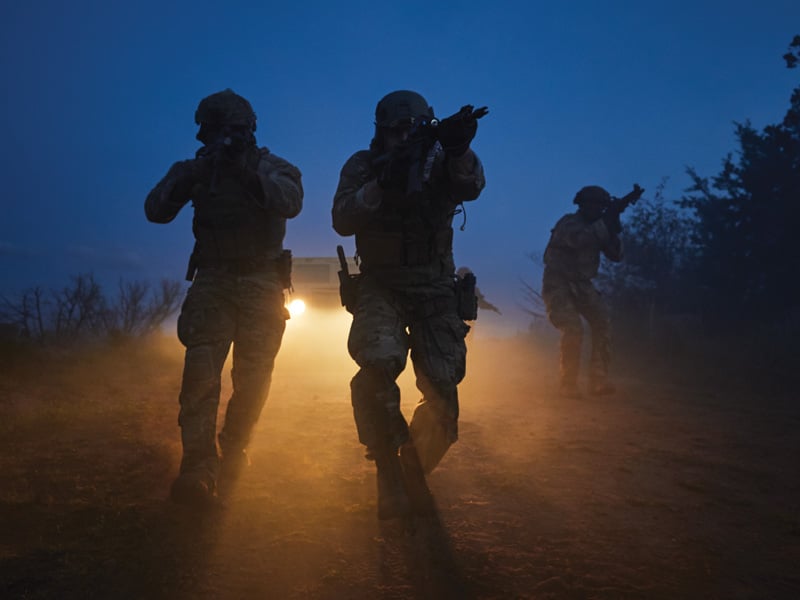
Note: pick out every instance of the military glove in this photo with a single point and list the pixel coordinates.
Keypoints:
(394, 175)
(185, 174)
(457, 131)
(202, 169)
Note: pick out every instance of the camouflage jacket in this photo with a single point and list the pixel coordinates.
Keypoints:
(575, 245)
(405, 239)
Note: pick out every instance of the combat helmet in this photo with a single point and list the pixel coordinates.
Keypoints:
(592, 193)
(401, 107)
(225, 108)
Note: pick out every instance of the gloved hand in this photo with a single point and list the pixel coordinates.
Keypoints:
(457, 131)
(394, 175)
(185, 175)
(202, 169)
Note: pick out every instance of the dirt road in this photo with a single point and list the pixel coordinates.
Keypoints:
(664, 490)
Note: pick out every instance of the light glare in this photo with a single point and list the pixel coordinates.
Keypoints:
(297, 307)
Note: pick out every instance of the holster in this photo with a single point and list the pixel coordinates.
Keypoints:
(348, 284)
(466, 297)
(348, 290)
(396, 249)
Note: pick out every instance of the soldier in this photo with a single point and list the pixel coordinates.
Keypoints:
(398, 198)
(571, 260)
(242, 196)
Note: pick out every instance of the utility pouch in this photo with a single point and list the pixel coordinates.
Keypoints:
(284, 266)
(348, 284)
(348, 291)
(466, 297)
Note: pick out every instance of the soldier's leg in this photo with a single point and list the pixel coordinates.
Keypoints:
(378, 343)
(595, 311)
(439, 353)
(564, 316)
(382, 429)
(261, 322)
(205, 327)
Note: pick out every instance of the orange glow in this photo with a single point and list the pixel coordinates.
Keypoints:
(296, 307)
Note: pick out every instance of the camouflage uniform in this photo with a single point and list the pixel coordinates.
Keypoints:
(571, 259)
(236, 297)
(407, 298)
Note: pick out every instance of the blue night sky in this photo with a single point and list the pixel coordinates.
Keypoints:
(100, 99)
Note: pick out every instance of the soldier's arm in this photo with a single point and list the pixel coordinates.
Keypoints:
(170, 194)
(282, 184)
(574, 233)
(609, 243)
(465, 176)
(357, 197)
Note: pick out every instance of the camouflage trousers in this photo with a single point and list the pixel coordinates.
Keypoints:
(386, 325)
(567, 301)
(220, 310)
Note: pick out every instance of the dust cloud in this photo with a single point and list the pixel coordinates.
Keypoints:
(662, 490)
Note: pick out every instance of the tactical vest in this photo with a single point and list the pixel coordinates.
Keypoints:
(230, 226)
(415, 232)
(409, 230)
(562, 257)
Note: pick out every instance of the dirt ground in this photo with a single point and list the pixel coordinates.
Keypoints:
(675, 487)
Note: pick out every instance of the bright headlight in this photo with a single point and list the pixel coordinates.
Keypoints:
(296, 307)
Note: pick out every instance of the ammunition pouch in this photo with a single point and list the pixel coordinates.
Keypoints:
(467, 297)
(282, 266)
(396, 249)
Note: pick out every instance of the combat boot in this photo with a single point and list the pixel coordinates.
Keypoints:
(392, 498)
(234, 459)
(231, 465)
(194, 489)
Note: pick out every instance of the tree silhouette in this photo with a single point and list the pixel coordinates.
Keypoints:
(81, 311)
(746, 218)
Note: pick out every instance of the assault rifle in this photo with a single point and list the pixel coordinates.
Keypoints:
(223, 149)
(228, 142)
(407, 166)
(618, 205)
